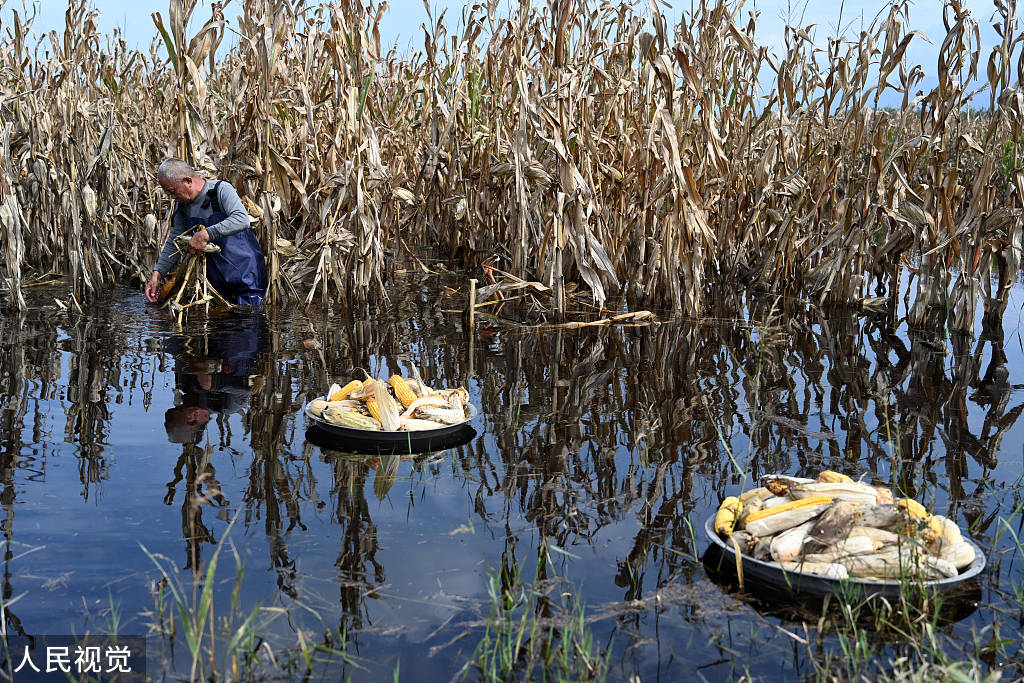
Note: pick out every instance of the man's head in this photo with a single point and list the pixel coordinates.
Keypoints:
(185, 424)
(179, 180)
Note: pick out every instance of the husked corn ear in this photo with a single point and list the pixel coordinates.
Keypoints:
(402, 389)
(728, 512)
(371, 405)
(348, 418)
(834, 477)
(344, 391)
(775, 519)
(914, 509)
(364, 390)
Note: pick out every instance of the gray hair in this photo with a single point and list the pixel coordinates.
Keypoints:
(174, 169)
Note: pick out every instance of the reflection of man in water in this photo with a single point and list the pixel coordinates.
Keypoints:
(213, 373)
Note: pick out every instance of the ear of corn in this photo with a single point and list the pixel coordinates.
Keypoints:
(728, 512)
(343, 392)
(852, 492)
(760, 493)
(402, 389)
(411, 424)
(914, 509)
(950, 531)
(773, 520)
(347, 418)
(958, 554)
(364, 391)
(371, 405)
(883, 496)
(792, 505)
(826, 569)
(387, 408)
(834, 477)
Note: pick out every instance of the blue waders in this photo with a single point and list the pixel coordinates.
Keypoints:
(237, 271)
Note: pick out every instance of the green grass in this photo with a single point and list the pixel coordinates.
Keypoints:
(527, 637)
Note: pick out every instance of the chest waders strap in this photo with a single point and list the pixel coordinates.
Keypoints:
(212, 201)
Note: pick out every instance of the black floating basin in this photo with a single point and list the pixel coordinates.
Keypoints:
(327, 435)
(766, 575)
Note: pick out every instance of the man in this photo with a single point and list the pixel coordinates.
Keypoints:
(237, 271)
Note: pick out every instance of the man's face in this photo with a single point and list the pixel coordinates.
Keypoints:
(184, 424)
(184, 190)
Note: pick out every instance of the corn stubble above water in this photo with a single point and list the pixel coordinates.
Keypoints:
(586, 146)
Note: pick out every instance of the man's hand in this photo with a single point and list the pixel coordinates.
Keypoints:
(199, 241)
(153, 287)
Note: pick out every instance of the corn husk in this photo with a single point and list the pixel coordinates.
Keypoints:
(389, 413)
(960, 554)
(788, 545)
(781, 521)
(827, 569)
(853, 492)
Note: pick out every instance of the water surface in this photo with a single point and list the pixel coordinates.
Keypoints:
(599, 451)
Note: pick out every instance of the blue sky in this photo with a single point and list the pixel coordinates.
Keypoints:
(401, 24)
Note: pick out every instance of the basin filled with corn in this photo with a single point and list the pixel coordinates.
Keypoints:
(399, 404)
(821, 533)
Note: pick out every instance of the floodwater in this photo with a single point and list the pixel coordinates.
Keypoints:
(598, 454)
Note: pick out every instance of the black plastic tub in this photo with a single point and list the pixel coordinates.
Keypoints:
(768, 575)
(327, 435)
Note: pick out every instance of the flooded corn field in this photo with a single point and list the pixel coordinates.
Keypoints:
(161, 481)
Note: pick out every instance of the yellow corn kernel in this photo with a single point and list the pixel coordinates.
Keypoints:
(403, 391)
(802, 503)
(728, 512)
(914, 509)
(371, 405)
(342, 394)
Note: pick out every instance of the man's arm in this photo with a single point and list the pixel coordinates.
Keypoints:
(171, 252)
(169, 256)
(237, 217)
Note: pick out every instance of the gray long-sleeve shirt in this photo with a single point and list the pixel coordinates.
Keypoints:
(236, 221)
